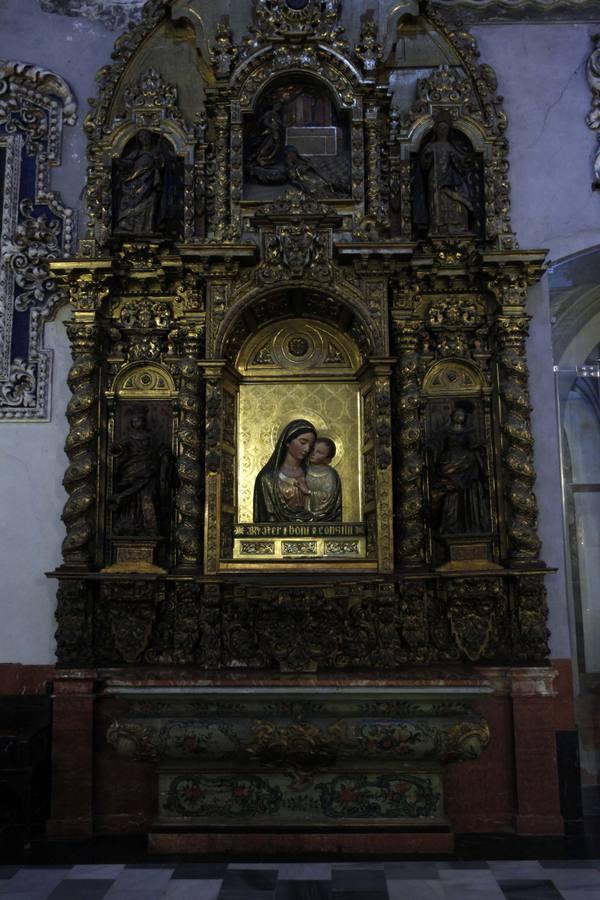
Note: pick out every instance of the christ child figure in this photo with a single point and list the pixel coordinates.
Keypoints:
(323, 482)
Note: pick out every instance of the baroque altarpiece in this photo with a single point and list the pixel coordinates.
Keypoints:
(299, 429)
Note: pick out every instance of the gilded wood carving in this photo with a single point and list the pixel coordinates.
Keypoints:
(299, 251)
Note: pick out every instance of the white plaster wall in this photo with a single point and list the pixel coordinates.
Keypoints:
(32, 459)
(541, 72)
(541, 75)
(33, 465)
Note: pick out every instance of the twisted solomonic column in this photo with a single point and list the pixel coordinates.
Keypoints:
(517, 454)
(80, 477)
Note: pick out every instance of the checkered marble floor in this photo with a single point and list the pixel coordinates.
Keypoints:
(504, 880)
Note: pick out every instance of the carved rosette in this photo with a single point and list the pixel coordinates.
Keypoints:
(411, 546)
(189, 465)
(80, 477)
(523, 541)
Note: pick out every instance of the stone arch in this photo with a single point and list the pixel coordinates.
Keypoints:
(346, 309)
(255, 75)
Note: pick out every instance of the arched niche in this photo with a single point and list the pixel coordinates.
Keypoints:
(287, 369)
(446, 161)
(297, 135)
(148, 186)
(140, 477)
(346, 311)
(459, 442)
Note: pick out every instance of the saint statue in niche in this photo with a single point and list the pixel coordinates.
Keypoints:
(298, 484)
(458, 483)
(449, 175)
(147, 187)
(142, 481)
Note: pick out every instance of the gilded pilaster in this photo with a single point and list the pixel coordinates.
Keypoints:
(411, 545)
(371, 128)
(220, 180)
(189, 464)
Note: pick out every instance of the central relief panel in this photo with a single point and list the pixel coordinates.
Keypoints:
(301, 445)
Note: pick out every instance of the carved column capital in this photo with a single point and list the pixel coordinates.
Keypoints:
(406, 333)
(509, 288)
(86, 292)
(512, 332)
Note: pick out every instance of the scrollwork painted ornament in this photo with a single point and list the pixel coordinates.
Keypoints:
(37, 228)
(593, 117)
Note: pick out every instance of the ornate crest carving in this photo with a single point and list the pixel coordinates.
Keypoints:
(313, 19)
(295, 251)
(472, 607)
(152, 92)
(368, 49)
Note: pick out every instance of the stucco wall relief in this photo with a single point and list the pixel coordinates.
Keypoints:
(113, 14)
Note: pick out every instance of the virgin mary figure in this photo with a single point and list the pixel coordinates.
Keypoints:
(281, 493)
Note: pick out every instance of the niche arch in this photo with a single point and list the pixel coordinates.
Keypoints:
(346, 309)
(267, 374)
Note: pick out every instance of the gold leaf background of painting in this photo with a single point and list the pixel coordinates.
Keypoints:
(265, 409)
